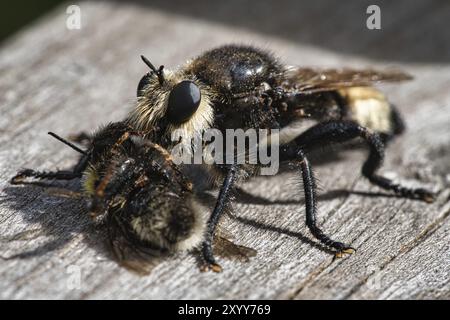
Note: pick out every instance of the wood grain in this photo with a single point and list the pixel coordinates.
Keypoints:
(54, 79)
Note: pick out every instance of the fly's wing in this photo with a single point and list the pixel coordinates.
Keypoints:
(311, 80)
(129, 254)
(225, 248)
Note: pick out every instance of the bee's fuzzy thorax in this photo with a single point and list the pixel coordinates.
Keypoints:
(89, 178)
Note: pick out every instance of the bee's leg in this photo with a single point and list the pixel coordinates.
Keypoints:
(64, 193)
(309, 185)
(77, 172)
(332, 132)
(224, 194)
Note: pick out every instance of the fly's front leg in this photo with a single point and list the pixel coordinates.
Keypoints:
(222, 200)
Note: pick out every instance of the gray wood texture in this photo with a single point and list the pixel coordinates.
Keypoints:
(55, 79)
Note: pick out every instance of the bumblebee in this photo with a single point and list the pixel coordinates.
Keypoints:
(237, 86)
(148, 206)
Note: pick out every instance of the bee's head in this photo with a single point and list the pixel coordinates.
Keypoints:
(178, 97)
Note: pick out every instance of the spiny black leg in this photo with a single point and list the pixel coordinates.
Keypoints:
(59, 175)
(309, 185)
(82, 163)
(331, 132)
(30, 173)
(397, 121)
(224, 194)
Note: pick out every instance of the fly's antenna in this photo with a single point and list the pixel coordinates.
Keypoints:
(159, 72)
(74, 147)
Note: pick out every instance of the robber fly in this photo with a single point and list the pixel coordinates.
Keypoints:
(243, 87)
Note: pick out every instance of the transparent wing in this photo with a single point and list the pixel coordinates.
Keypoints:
(225, 248)
(128, 253)
(311, 80)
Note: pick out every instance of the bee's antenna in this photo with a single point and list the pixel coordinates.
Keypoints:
(158, 72)
(74, 147)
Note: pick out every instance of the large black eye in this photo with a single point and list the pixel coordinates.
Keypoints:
(184, 100)
(144, 81)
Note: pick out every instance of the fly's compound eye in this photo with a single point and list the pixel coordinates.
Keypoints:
(144, 81)
(184, 100)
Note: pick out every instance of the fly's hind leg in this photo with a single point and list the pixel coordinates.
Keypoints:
(332, 132)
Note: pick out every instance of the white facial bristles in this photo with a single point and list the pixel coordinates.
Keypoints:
(152, 106)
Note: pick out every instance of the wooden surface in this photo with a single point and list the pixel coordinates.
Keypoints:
(54, 79)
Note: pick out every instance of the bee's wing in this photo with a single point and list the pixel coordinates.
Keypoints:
(127, 253)
(224, 247)
(311, 80)
(223, 232)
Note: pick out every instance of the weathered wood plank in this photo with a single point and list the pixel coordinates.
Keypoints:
(68, 81)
